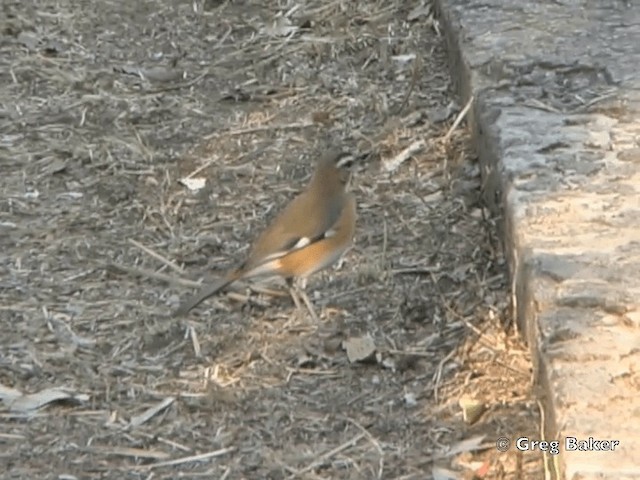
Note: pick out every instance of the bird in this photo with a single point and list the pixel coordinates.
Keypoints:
(311, 233)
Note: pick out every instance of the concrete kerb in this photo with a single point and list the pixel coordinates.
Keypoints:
(566, 182)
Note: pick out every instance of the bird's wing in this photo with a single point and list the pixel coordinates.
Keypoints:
(281, 238)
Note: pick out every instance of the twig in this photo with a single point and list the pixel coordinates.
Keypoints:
(191, 458)
(213, 160)
(194, 341)
(537, 104)
(416, 271)
(324, 457)
(548, 475)
(267, 128)
(145, 416)
(12, 436)
(591, 103)
(373, 440)
(143, 272)
(202, 167)
(130, 452)
(166, 441)
(459, 118)
(247, 299)
(438, 375)
(386, 265)
(157, 256)
(409, 353)
(179, 86)
(393, 163)
(417, 64)
(311, 371)
(466, 322)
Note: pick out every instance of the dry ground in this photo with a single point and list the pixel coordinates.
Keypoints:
(104, 106)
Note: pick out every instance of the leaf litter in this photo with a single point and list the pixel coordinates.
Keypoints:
(142, 145)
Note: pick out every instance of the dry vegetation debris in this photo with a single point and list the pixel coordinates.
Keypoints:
(104, 107)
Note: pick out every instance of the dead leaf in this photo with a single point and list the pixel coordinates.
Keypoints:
(410, 399)
(162, 74)
(441, 473)
(153, 74)
(472, 409)
(29, 40)
(7, 394)
(55, 166)
(34, 401)
(359, 349)
(421, 10)
(280, 27)
(193, 184)
(471, 444)
(321, 116)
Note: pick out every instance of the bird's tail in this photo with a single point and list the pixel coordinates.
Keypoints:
(204, 293)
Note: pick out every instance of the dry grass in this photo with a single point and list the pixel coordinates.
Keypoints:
(104, 106)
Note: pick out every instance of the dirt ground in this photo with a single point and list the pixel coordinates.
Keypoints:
(104, 107)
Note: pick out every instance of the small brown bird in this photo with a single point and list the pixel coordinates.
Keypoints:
(313, 231)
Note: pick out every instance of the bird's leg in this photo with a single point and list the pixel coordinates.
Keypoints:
(294, 293)
(301, 284)
(297, 292)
